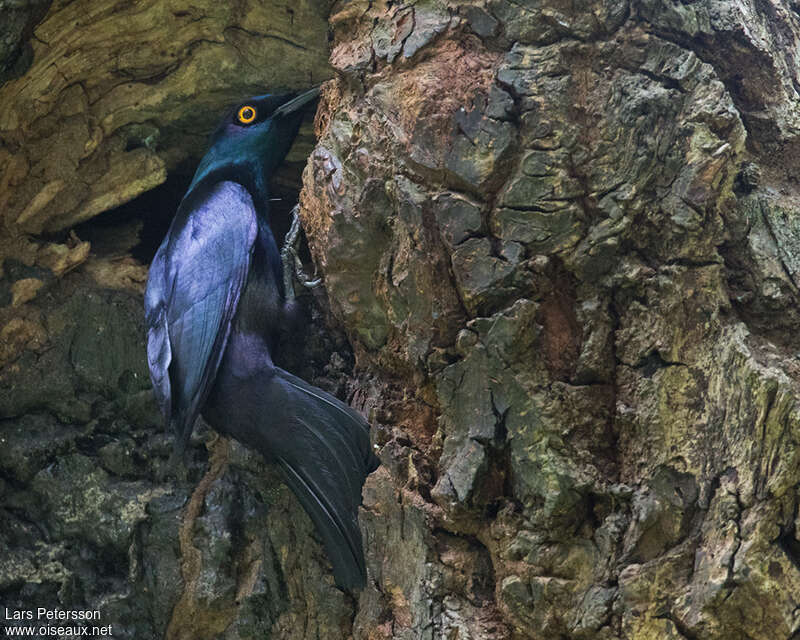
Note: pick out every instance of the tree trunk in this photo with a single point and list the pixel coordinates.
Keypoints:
(559, 246)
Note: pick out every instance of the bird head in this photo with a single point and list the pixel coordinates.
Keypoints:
(252, 140)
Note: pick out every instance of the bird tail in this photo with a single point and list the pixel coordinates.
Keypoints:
(323, 448)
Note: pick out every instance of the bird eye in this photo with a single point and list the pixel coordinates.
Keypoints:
(247, 114)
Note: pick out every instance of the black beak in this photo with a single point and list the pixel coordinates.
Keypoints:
(297, 102)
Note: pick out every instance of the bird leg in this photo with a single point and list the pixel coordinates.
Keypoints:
(292, 266)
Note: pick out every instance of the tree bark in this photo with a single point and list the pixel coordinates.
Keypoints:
(558, 243)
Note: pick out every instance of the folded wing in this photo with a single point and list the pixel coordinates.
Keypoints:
(193, 290)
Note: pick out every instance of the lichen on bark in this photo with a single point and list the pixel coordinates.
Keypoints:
(558, 246)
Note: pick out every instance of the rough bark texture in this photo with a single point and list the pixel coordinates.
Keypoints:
(559, 243)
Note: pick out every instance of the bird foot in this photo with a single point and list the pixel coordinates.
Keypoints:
(292, 265)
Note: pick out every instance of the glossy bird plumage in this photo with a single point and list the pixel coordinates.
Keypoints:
(214, 306)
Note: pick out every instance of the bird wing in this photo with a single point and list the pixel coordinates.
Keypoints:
(159, 353)
(193, 290)
(323, 448)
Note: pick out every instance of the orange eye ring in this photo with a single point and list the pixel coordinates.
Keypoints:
(246, 114)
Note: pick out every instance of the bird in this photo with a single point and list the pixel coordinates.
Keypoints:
(216, 302)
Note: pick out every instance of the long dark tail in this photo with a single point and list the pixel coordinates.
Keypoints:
(323, 448)
(327, 473)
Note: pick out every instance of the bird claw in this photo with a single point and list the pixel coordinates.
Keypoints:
(292, 238)
(292, 265)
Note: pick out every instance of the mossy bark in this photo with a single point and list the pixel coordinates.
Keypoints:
(558, 243)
